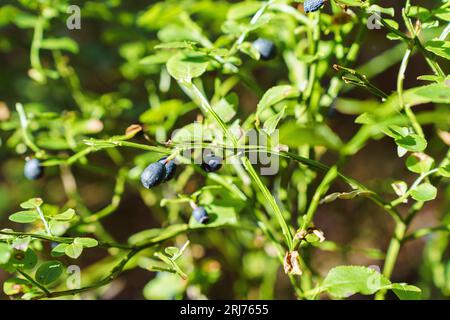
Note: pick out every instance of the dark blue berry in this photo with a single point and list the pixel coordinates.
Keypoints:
(33, 169)
(266, 48)
(313, 5)
(153, 175)
(171, 167)
(200, 215)
(211, 163)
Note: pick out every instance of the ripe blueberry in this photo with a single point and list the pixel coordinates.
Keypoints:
(313, 5)
(211, 163)
(170, 168)
(200, 215)
(153, 175)
(33, 169)
(266, 48)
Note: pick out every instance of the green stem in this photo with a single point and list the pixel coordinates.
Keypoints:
(35, 283)
(413, 186)
(115, 272)
(423, 232)
(36, 43)
(118, 191)
(24, 128)
(41, 215)
(62, 239)
(361, 80)
(320, 191)
(428, 57)
(133, 250)
(407, 107)
(274, 206)
(254, 20)
(391, 255)
(99, 144)
(192, 90)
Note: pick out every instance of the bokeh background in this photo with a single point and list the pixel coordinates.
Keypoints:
(107, 70)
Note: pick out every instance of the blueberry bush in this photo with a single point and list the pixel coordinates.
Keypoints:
(129, 164)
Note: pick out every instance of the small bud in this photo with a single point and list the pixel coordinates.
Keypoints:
(292, 264)
(132, 130)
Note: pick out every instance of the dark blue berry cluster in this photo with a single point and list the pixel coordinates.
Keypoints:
(158, 172)
(313, 5)
(33, 169)
(211, 163)
(266, 48)
(200, 215)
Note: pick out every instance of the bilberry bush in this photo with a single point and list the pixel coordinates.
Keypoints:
(358, 205)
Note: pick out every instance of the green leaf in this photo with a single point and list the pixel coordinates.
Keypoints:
(58, 228)
(351, 3)
(73, 250)
(275, 95)
(424, 192)
(412, 142)
(193, 132)
(443, 14)
(145, 235)
(14, 286)
(429, 77)
(27, 216)
(172, 251)
(49, 272)
(23, 260)
(159, 15)
(65, 216)
(419, 12)
(159, 57)
(419, 163)
(218, 216)
(406, 292)
(439, 47)
(166, 113)
(436, 93)
(344, 281)
(86, 242)
(63, 43)
(184, 67)
(5, 253)
(400, 187)
(271, 123)
(250, 50)
(444, 171)
(25, 20)
(8, 14)
(32, 203)
(21, 243)
(295, 135)
(59, 250)
(225, 108)
(353, 106)
(243, 9)
(345, 195)
(176, 45)
(164, 286)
